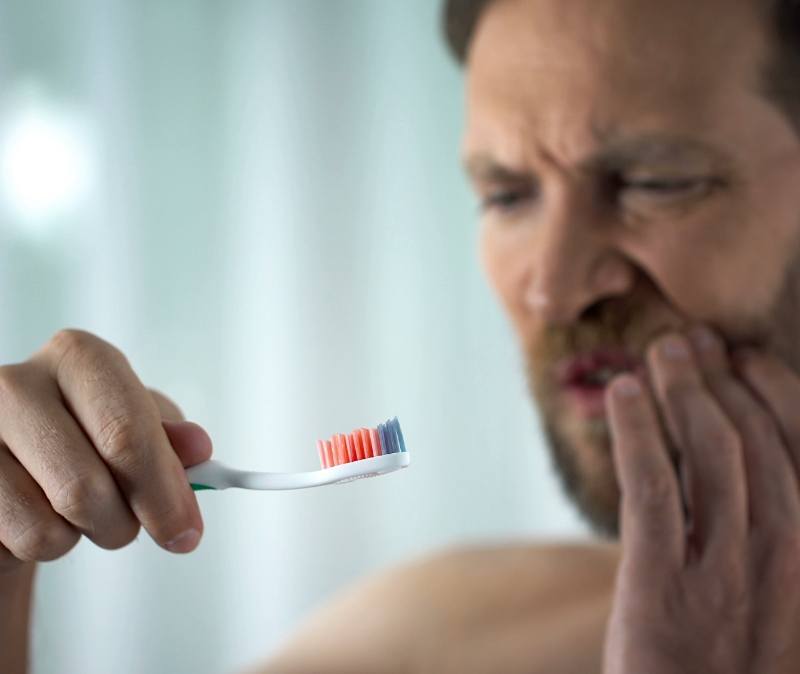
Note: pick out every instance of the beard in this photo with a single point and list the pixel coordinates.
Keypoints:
(581, 449)
(594, 491)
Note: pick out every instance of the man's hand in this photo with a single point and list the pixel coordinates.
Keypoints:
(712, 590)
(86, 449)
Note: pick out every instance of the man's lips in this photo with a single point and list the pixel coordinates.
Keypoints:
(584, 378)
(581, 370)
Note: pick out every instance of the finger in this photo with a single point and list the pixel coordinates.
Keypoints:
(772, 496)
(651, 513)
(190, 442)
(7, 561)
(779, 388)
(29, 529)
(47, 441)
(168, 409)
(710, 448)
(124, 423)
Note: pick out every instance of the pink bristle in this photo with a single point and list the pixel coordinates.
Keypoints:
(376, 442)
(329, 453)
(321, 450)
(357, 444)
(351, 450)
(364, 433)
(341, 449)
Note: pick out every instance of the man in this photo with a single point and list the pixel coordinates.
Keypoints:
(639, 169)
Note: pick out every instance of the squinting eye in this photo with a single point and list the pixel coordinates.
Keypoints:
(670, 188)
(507, 199)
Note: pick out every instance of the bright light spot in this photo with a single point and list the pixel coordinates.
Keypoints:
(45, 164)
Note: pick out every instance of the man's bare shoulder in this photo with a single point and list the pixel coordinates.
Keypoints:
(458, 604)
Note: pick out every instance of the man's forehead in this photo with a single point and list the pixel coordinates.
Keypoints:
(635, 28)
(596, 92)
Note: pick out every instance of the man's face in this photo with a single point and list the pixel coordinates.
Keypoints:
(634, 179)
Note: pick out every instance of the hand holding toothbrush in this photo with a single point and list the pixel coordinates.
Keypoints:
(87, 450)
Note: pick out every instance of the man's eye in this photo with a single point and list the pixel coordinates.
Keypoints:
(666, 188)
(506, 199)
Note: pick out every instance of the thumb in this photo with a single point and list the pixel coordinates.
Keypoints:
(189, 440)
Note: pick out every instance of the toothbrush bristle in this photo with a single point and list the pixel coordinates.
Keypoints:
(362, 443)
(351, 450)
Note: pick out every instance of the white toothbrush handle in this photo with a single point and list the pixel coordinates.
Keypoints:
(213, 474)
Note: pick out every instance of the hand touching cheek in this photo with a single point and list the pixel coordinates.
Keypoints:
(705, 590)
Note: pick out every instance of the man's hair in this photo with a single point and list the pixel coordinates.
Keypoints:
(781, 82)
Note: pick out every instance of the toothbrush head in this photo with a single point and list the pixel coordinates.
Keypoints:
(366, 452)
(362, 444)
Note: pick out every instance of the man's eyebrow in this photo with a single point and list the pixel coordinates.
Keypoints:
(482, 166)
(621, 153)
(615, 154)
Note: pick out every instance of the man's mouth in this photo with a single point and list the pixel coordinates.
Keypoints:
(584, 378)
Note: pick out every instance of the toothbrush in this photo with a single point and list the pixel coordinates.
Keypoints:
(366, 452)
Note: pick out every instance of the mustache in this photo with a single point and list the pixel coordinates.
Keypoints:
(629, 324)
(613, 323)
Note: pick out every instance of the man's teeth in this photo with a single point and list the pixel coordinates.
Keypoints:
(601, 376)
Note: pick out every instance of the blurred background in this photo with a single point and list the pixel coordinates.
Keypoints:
(260, 203)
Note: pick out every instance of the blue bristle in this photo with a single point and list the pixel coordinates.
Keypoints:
(387, 433)
(382, 434)
(392, 436)
(391, 446)
(399, 433)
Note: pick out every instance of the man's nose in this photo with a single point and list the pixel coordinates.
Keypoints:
(575, 264)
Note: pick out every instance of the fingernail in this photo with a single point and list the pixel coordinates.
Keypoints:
(184, 542)
(674, 347)
(702, 338)
(627, 387)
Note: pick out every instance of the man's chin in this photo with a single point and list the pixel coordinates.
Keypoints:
(580, 449)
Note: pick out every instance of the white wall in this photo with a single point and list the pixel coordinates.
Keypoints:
(279, 237)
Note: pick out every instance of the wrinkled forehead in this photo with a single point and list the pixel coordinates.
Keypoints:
(582, 68)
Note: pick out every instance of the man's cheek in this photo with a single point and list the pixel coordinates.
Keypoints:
(507, 272)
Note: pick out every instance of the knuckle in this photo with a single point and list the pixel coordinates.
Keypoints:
(168, 520)
(81, 497)
(68, 340)
(680, 395)
(724, 592)
(651, 492)
(71, 346)
(13, 382)
(784, 560)
(122, 535)
(760, 425)
(714, 431)
(166, 406)
(43, 541)
(119, 436)
(724, 438)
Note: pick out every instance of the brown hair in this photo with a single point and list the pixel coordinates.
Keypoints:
(781, 76)
(460, 18)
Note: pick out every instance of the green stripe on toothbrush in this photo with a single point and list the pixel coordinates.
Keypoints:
(200, 487)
